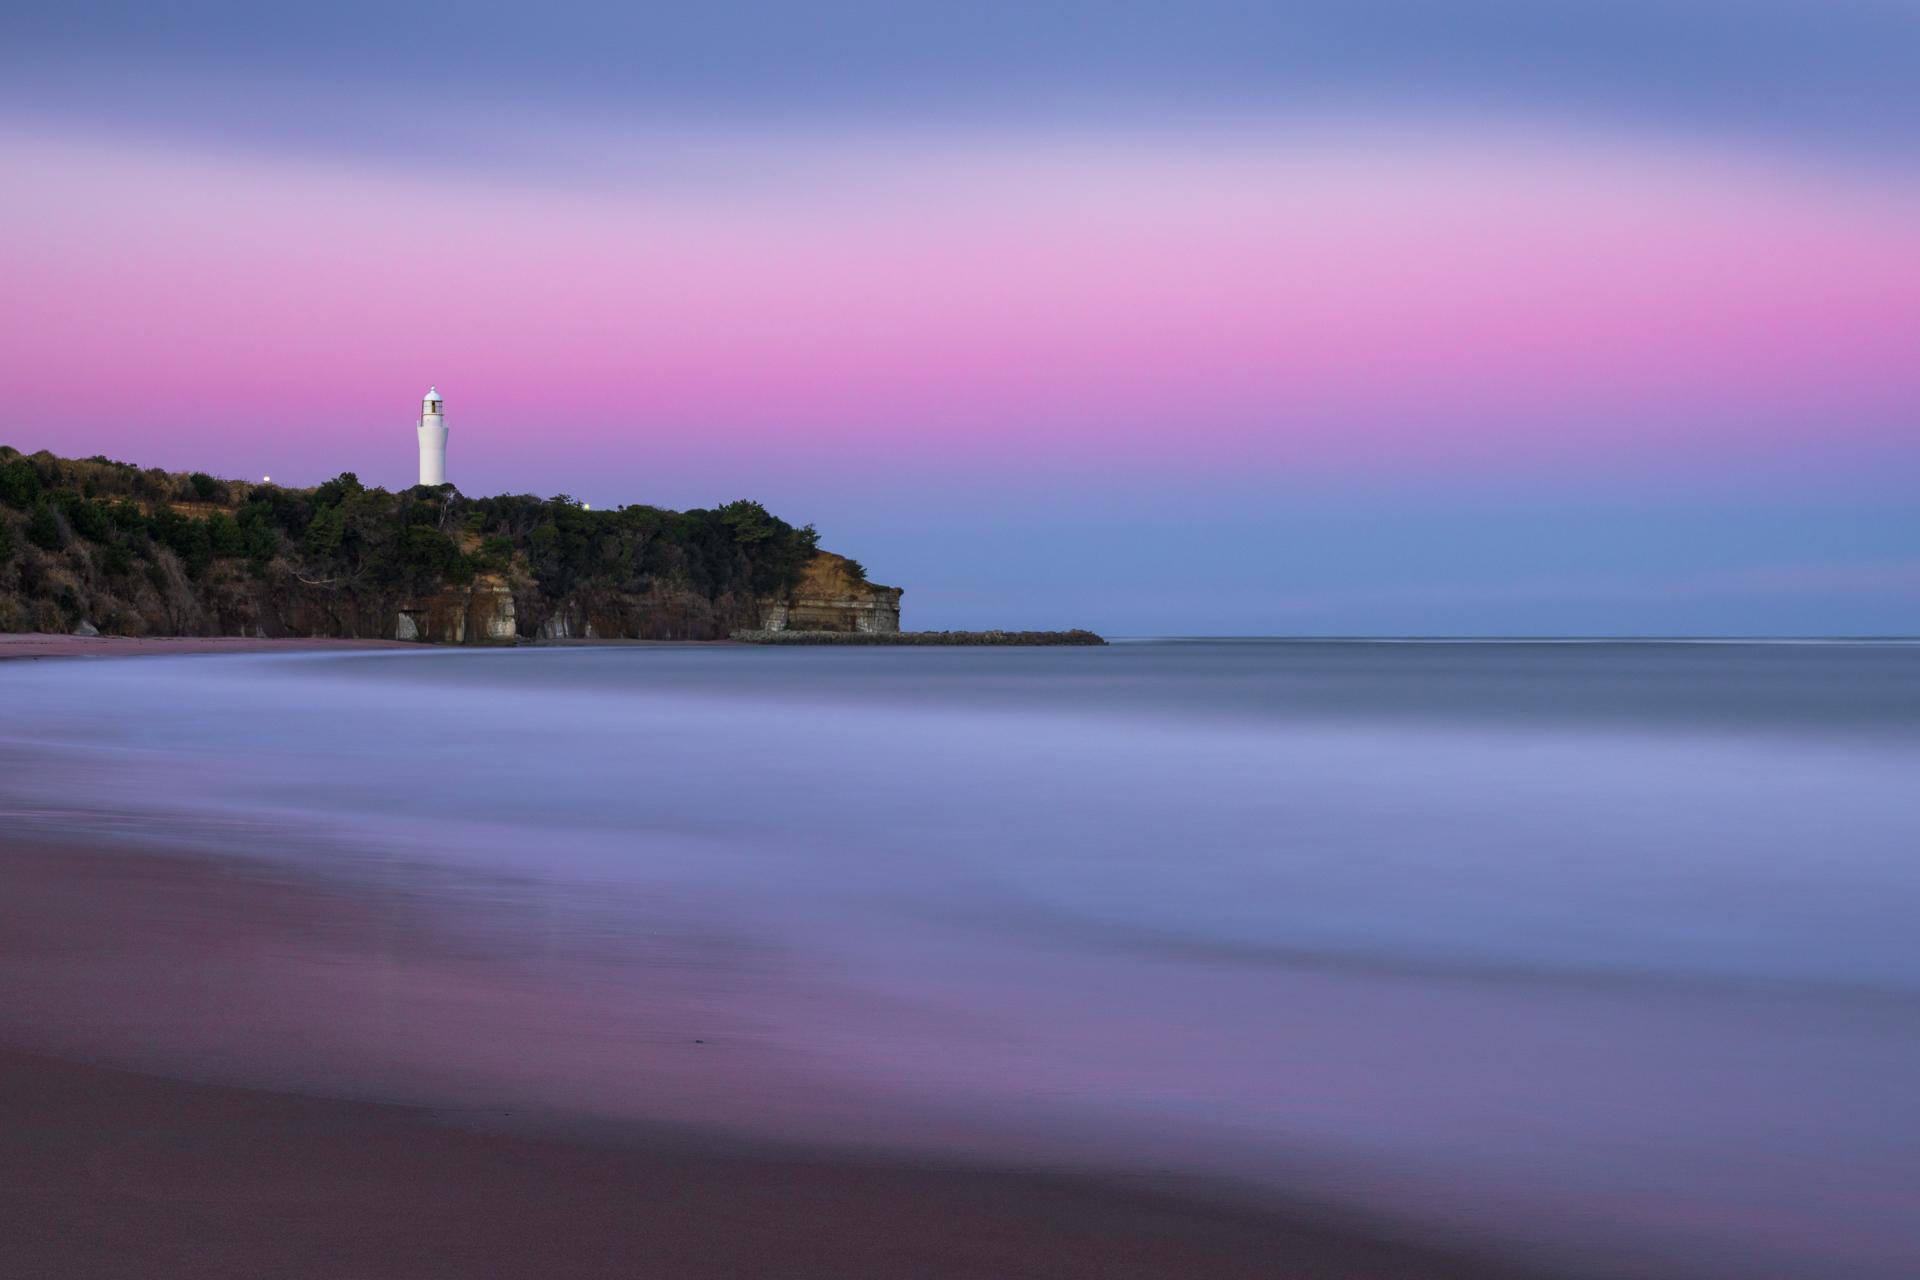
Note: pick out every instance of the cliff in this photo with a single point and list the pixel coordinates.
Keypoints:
(833, 594)
(101, 544)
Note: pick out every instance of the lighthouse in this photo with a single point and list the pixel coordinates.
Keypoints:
(433, 439)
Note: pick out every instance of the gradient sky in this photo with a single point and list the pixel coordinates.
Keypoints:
(1350, 316)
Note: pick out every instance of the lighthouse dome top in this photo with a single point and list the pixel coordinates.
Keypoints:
(433, 393)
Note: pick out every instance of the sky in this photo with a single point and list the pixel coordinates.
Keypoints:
(1497, 317)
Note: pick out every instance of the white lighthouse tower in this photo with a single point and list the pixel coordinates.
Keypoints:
(433, 439)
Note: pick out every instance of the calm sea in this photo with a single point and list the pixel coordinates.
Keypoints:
(1605, 948)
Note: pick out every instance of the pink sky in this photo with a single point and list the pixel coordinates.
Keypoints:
(1363, 299)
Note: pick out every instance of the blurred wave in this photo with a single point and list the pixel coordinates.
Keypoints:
(1605, 945)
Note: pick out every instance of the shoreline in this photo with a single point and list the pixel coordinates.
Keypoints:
(122, 1172)
(1003, 639)
(25, 645)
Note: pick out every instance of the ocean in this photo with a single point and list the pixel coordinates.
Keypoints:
(1597, 952)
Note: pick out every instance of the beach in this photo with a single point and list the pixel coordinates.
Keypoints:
(40, 644)
(107, 1173)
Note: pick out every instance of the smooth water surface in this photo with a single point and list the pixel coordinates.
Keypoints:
(1606, 948)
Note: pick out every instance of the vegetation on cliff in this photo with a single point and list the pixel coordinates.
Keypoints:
(138, 552)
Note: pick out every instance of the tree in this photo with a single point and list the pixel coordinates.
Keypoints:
(287, 509)
(256, 530)
(225, 535)
(427, 556)
(44, 529)
(6, 544)
(324, 535)
(261, 544)
(128, 517)
(749, 522)
(19, 484)
(168, 526)
(194, 546)
(333, 492)
(91, 520)
(543, 550)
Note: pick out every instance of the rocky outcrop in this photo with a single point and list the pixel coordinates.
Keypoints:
(482, 613)
(663, 612)
(829, 597)
(832, 596)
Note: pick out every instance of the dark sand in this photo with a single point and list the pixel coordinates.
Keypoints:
(37, 644)
(110, 1173)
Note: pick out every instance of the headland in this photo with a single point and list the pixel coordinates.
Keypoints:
(98, 547)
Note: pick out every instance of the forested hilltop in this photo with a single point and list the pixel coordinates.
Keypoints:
(131, 551)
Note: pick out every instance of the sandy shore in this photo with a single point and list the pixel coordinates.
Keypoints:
(40, 644)
(105, 954)
(106, 1173)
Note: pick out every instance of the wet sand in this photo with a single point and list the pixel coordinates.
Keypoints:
(39, 644)
(105, 1172)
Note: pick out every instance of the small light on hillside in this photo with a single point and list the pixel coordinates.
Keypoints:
(266, 479)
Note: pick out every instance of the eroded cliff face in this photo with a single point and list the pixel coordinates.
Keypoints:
(831, 597)
(481, 613)
(661, 613)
